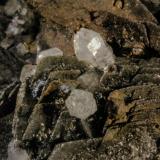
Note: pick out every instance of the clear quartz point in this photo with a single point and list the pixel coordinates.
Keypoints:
(89, 46)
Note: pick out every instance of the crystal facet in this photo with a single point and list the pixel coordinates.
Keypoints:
(90, 47)
(49, 53)
(81, 104)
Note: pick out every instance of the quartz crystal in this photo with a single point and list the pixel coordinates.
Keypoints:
(48, 53)
(89, 46)
(81, 104)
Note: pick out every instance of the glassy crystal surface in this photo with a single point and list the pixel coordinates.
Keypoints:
(81, 104)
(48, 53)
(89, 46)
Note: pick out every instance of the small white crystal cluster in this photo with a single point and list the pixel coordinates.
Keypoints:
(89, 46)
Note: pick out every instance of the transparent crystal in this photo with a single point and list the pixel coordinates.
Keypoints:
(81, 104)
(48, 53)
(89, 46)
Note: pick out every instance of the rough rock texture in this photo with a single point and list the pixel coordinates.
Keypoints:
(126, 124)
(5, 135)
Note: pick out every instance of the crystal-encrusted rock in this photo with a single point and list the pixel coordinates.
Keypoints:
(81, 104)
(90, 47)
(49, 53)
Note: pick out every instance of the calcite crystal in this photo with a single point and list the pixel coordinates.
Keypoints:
(90, 47)
(81, 104)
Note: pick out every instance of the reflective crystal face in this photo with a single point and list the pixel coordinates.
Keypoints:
(81, 104)
(90, 47)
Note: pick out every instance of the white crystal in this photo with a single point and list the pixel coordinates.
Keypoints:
(89, 46)
(81, 104)
(48, 53)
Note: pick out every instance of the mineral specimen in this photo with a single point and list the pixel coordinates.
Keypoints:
(125, 123)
